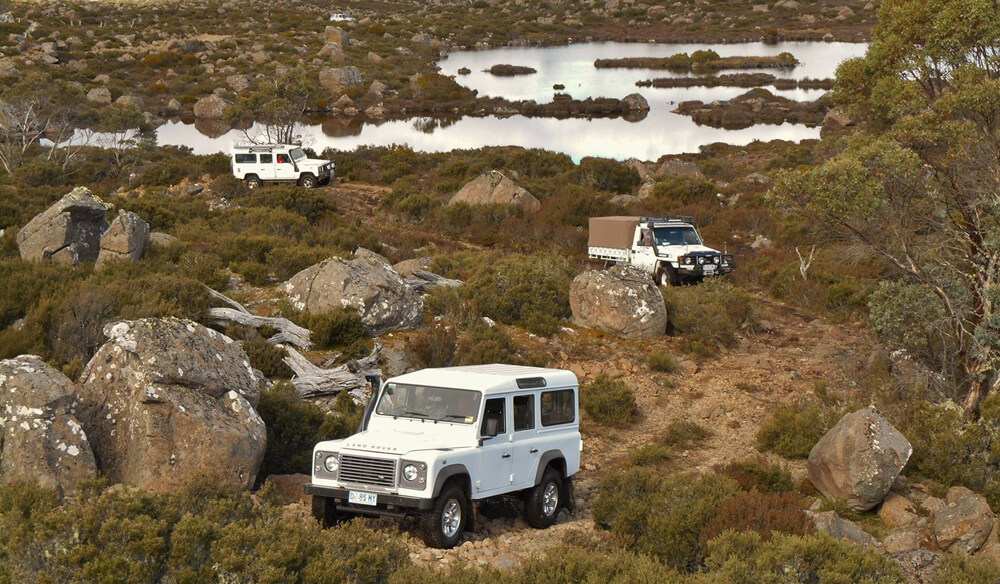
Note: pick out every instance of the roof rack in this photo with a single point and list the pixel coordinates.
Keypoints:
(667, 219)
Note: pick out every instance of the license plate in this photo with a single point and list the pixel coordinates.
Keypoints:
(360, 498)
(709, 269)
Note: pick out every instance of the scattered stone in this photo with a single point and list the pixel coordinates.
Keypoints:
(160, 239)
(918, 565)
(41, 440)
(238, 83)
(338, 36)
(126, 239)
(99, 95)
(858, 459)
(681, 168)
(366, 283)
(493, 187)
(68, 232)
(909, 538)
(622, 300)
(636, 102)
(407, 267)
(338, 80)
(210, 107)
(836, 526)
(965, 523)
(897, 511)
(167, 399)
(174, 105)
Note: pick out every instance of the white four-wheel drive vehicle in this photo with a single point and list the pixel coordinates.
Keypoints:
(433, 441)
(258, 163)
(667, 248)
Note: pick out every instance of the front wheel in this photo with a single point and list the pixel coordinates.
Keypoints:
(308, 181)
(443, 526)
(542, 506)
(667, 276)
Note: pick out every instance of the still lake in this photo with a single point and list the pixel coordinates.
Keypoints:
(661, 132)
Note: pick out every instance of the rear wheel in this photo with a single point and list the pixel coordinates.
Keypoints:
(545, 500)
(308, 181)
(253, 182)
(443, 526)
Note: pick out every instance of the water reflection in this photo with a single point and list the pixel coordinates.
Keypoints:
(660, 132)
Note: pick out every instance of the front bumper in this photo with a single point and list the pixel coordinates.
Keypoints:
(387, 504)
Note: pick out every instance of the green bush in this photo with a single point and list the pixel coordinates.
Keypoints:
(267, 358)
(487, 344)
(963, 569)
(435, 347)
(228, 186)
(684, 435)
(663, 516)
(678, 190)
(608, 175)
(610, 402)
(661, 361)
(339, 327)
(759, 475)
(792, 432)
(746, 557)
(715, 312)
(166, 173)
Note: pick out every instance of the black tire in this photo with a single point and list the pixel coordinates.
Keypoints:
(667, 276)
(253, 182)
(326, 513)
(443, 526)
(544, 501)
(308, 181)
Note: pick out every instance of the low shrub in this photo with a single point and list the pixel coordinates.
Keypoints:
(759, 475)
(487, 344)
(337, 328)
(713, 313)
(267, 358)
(651, 455)
(792, 432)
(761, 513)
(963, 569)
(609, 402)
(436, 346)
(684, 435)
(661, 361)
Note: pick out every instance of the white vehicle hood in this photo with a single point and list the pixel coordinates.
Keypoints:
(403, 441)
(683, 249)
(312, 162)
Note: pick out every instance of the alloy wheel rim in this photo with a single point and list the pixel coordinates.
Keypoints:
(550, 499)
(451, 518)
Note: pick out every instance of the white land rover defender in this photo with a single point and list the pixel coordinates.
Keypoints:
(433, 441)
(257, 163)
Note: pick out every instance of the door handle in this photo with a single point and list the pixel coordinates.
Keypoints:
(505, 456)
(533, 451)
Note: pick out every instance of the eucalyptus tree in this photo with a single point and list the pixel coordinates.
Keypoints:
(920, 185)
(277, 105)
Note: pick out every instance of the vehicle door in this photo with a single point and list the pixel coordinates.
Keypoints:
(244, 164)
(266, 167)
(496, 464)
(283, 167)
(526, 444)
(643, 252)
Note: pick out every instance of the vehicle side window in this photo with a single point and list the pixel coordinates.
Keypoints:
(557, 407)
(283, 159)
(494, 417)
(246, 159)
(266, 158)
(524, 412)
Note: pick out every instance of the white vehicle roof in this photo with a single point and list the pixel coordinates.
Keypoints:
(490, 379)
(265, 147)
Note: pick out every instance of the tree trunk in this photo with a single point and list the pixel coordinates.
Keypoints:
(311, 380)
(288, 332)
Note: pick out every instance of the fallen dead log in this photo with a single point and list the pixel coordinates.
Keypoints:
(422, 280)
(311, 380)
(288, 332)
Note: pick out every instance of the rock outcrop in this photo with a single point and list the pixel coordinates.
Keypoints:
(965, 523)
(210, 108)
(493, 187)
(68, 232)
(622, 300)
(126, 239)
(367, 283)
(858, 459)
(40, 438)
(166, 399)
(337, 80)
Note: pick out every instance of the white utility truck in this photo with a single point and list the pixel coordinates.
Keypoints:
(668, 248)
(257, 163)
(433, 441)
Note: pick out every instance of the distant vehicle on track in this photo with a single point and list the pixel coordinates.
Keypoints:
(258, 163)
(341, 17)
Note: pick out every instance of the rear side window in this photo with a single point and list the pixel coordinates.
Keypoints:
(558, 407)
(266, 158)
(524, 412)
(246, 159)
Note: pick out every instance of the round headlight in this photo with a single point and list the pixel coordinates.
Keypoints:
(715, 259)
(410, 472)
(331, 463)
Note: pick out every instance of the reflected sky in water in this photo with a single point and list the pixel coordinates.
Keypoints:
(661, 132)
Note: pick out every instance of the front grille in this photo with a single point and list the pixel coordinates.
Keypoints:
(367, 471)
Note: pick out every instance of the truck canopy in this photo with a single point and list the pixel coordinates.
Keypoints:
(612, 231)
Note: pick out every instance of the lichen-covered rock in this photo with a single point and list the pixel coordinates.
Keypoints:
(897, 511)
(210, 108)
(339, 79)
(40, 439)
(965, 523)
(493, 187)
(836, 526)
(636, 102)
(99, 95)
(126, 239)
(69, 232)
(367, 283)
(858, 459)
(166, 399)
(622, 300)
(337, 36)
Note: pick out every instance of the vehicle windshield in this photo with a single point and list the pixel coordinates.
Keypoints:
(429, 403)
(297, 154)
(683, 235)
